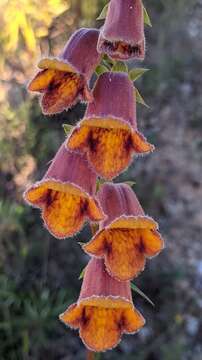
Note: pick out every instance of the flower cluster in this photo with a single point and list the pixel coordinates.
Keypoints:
(102, 145)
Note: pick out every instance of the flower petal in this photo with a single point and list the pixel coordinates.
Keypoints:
(94, 211)
(153, 242)
(124, 258)
(62, 92)
(140, 144)
(101, 327)
(37, 195)
(42, 80)
(97, 246)
(64, 213)
(134, 222)
(125, 244)
(110, 148)
(132, 320)
(64, 207)
(56, 64)
(72, 316)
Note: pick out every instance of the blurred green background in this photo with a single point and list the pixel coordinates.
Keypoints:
(39, 274)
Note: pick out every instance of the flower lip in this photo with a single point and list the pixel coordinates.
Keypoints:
(66, 198)
(56, 64)
(105, 122)
(122, 50)
(106, 301)
(104, 310)
(55, 185)
(132, 222)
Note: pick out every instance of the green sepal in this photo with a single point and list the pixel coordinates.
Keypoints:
(120, 66)
(82, 273)
(136, 73)
(103, 13)
(140, 292)
(139, 98)
(101, 69)
(99, 182)
(67, 128)
(147, 19)
(107, 62)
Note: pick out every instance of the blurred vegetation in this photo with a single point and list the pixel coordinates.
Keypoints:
(39, 274)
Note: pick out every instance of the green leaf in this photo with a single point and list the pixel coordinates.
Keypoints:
(135, 74)
(101, 69)
(140, 292)
(120, 66)
(147, 20)
(139, 98)
(67, 128)
(103, 13)
(107, 62)
(82, 273)
(130, 183)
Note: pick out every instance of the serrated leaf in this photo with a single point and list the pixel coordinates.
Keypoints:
(103, 13)
(101, 69)
(82, 273)
(139, 98)
(147, 19)
(135, 74)
(120, 66)
(130, 183)
(140, 292)
(67, 128)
